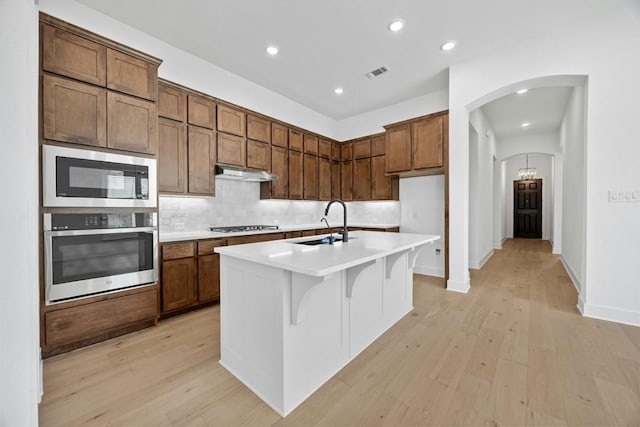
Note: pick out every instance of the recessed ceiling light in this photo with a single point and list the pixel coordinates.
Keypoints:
(338, 91)
(521, 91)
(525, 124)
(272, 50)
(396, 25)
(448, 46)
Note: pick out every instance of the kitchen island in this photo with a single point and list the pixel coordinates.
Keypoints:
(292, 315)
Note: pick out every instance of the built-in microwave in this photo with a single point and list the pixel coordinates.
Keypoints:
(89, 254)
(87, 178)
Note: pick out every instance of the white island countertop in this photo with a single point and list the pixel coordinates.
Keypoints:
(324, 259)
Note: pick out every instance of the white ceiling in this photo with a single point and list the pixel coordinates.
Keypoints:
(543, 108)
(329, 43)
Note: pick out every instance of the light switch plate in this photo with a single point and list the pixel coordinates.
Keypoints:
(616, 196)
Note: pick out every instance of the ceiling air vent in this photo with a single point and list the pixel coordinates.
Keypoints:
(377, 72)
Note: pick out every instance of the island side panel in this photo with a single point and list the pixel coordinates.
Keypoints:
(397, 292)
(366, 308)
(251, 318)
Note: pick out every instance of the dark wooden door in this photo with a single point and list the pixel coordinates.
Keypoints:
(527, 208)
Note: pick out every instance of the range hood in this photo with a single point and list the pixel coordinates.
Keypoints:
(242, 174)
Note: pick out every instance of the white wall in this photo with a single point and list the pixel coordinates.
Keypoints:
(482, 145)
(422, 211)
(544, 170)
(19, 307)
(573, 148)
(186, 69)
(541, 142)
(602, 50)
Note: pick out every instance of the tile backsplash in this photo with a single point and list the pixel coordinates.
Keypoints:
(238, 203)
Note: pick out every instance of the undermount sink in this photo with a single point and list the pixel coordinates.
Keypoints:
(323, 241)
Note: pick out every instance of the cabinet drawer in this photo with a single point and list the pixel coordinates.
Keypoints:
(206, 247)
(177, 250)
(254, 238)
(86, 321)
(73, 56)
(201, 111)
(231, 120)
(131, 75)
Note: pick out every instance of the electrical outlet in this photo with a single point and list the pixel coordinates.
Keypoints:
(437, 251)
(624, 196)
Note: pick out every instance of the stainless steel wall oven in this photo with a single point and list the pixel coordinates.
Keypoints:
(88, 254)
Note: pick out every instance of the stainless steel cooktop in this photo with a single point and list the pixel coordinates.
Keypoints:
(236, 228)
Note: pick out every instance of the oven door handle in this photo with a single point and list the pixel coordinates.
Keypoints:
(99, 231)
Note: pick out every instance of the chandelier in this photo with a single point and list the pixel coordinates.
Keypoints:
(527, 172)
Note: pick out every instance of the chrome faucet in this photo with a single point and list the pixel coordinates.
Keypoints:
(345, 232)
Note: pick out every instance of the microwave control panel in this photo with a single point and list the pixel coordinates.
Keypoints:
(102, 221)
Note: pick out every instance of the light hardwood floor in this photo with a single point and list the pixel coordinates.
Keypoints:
(514, 351)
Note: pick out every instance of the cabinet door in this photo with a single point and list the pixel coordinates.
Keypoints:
(295, 174)
(398, 149)
(178, 283)
(324, 179)
(346, 175)
(208, 277)
(346, 153)
(231, 149)
(377, 145)
(172, 156)
(73, 112)
(362, 148)
(310, 177)
(172, 103)
(231, 120)
(258, 155)
(324, 149)
(335, 180)
(258, 128)
(131, 75)
(73, 56)
(427, 143)
(201, 112)
(132, 124)
(362, 179)
(295, 140)
(380, 184)
(279, 135)
(310, 144)
(280, 168)
(202, 161)
(335, 151)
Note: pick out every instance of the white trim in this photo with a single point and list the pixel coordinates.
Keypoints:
(486, 258)
(458, 286)
(572, 276)
(627, 317)
(428, 271)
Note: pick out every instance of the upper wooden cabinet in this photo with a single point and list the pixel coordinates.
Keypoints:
(231, 120)
(346, 152)
(361, 148)
(232, 150)
(295, 140)
(172, 103)
(346, 180)
(279, 135)
(73, 112)
(131, 75)
(201, 111)
(310, 177)
(70, 55)
(258, 155)
(132, 124)
(383, 187)
(295, 174)
(324, 148)
(415, 147)
(202, 161)
(310, 144)
(377, 145)
(398, 148)
(362, 179)
(280, 168)
(427, 140)
(172, 156)
(335, 151)
(258, 128)
(336, 182)
(324, 178)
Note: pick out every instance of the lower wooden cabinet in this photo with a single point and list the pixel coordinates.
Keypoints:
(178, 283)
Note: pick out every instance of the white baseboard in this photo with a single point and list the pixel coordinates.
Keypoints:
(458, 286)
(428, 271)
(482, 261)
(572, 276)
(612, 314)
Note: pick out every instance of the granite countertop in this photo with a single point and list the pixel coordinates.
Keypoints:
(178, 236)
(322, 260)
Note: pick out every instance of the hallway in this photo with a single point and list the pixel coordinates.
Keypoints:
(514, 351)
